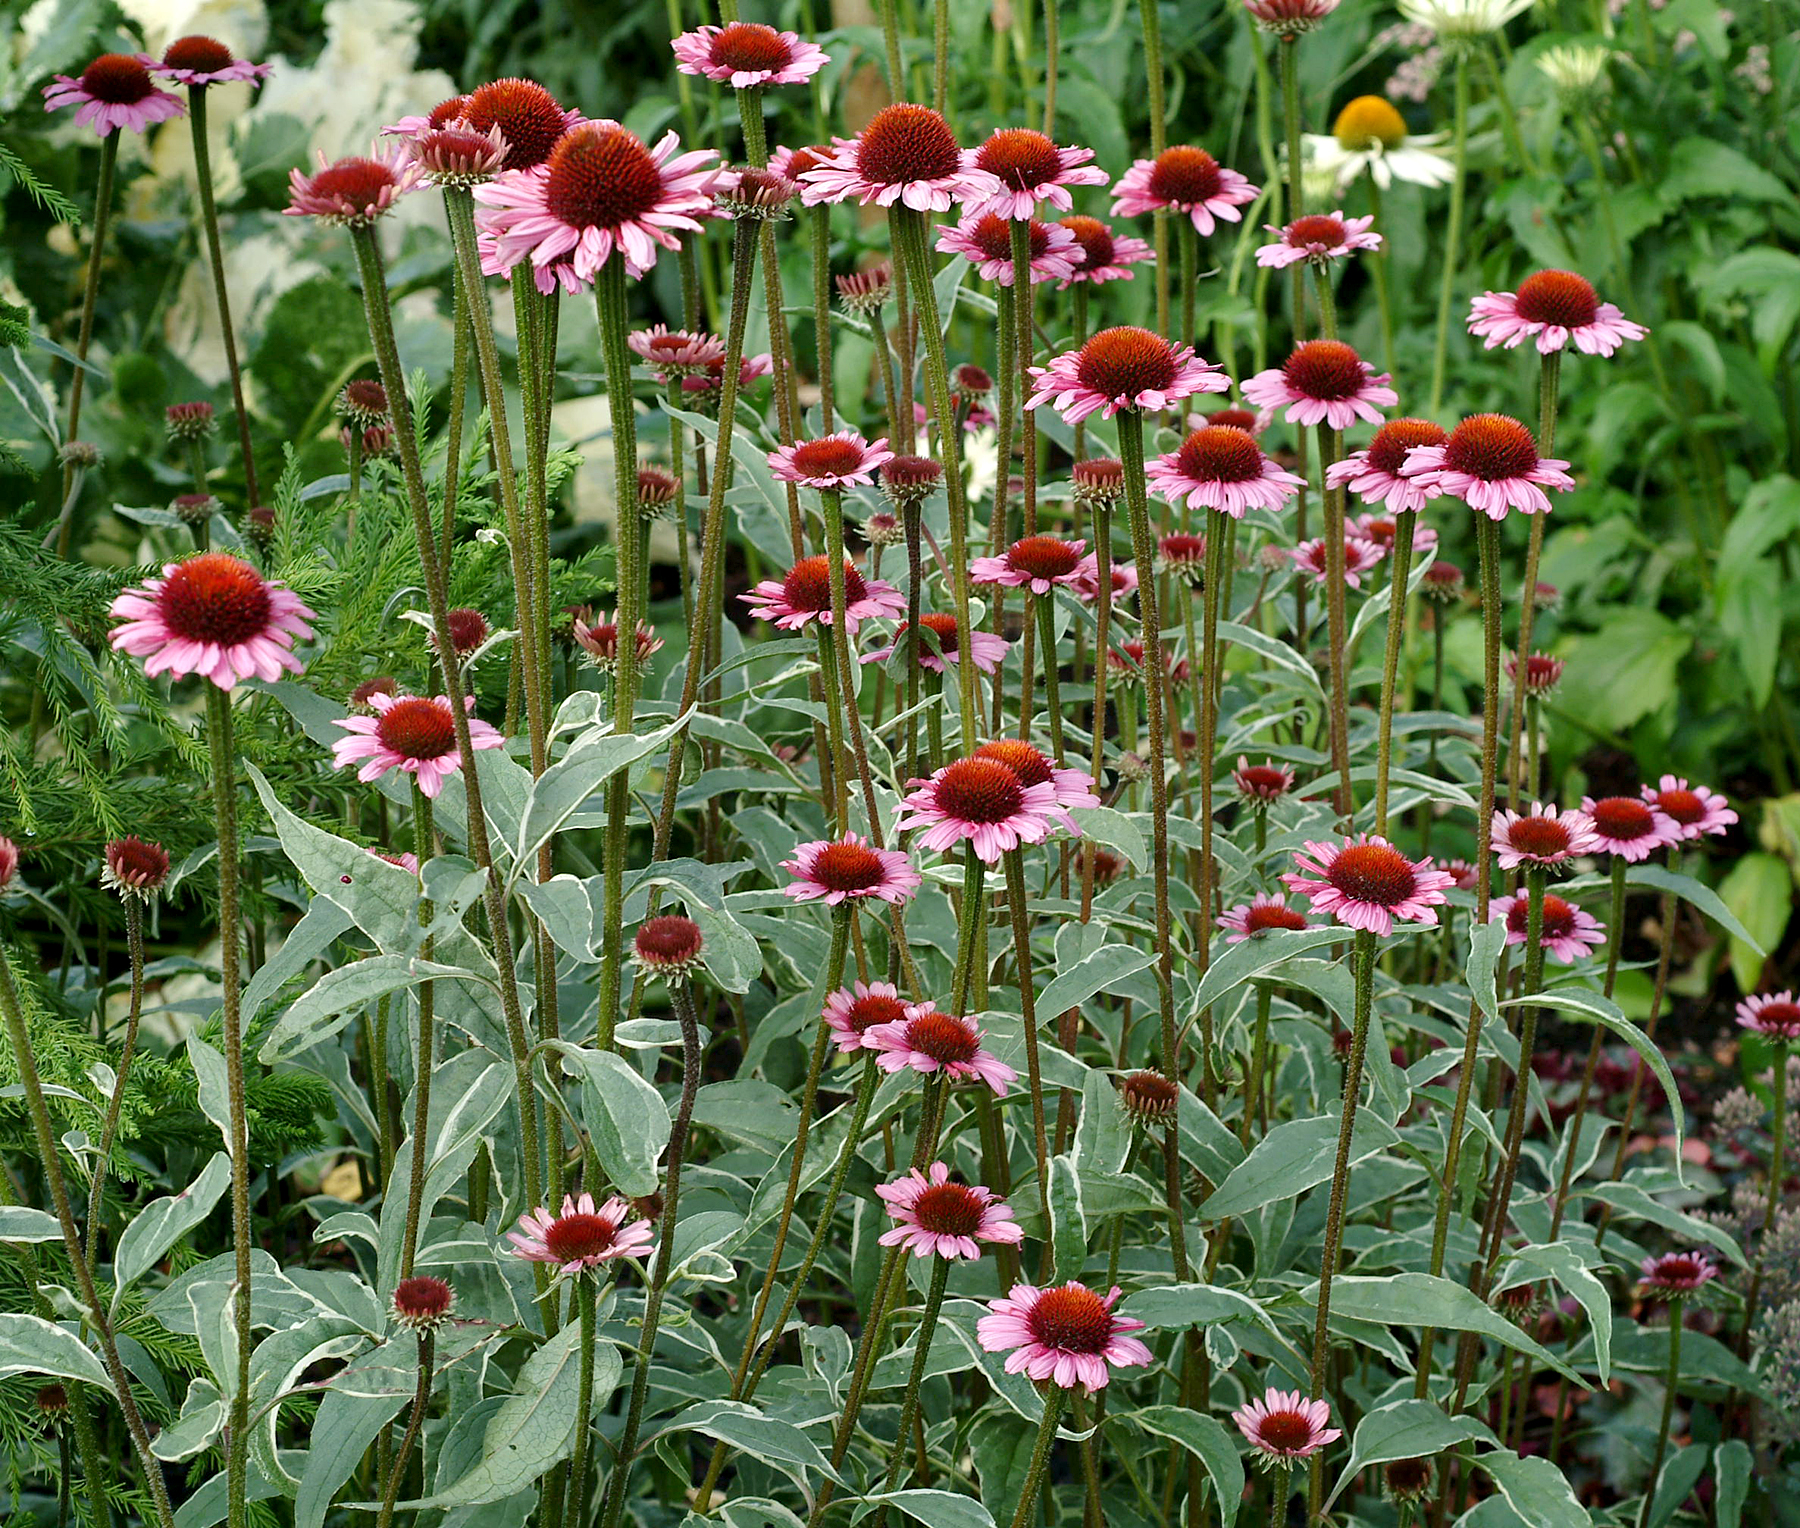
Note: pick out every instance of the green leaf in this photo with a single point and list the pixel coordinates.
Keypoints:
(939, 1509)
(1094, 973)
(1675, 1482)
(1240, 962)
(1068, 1220)
(1701, 897)
(1419, 1300)
(306, 942)
(1485, 945)
(338, 996)
(1112, 830)
(1758, 891)
(1706, 167)
(1405, 1430)
(750, 1431)
(163, 1222)
(1630, 1200)
(1292, 1158)
(1103, 1135)
(1624, 671)
(1731, 1481)
(625, 1115)
(31, 1345)
(20, 1223)
(1535, 1489)
(563, 788)
(1166, 1306)
(215, 1085)
(203, 1417)
(1206, 1438)
(1571, 1264)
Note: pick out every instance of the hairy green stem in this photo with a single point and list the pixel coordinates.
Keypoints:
(1459, 141)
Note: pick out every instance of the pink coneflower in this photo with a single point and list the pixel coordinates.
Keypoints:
(212, 615)
(805, 595)
(983, 801)
(985, 241)
(1491, 463)
(1098, 480)
(1630, 828)
(583, 1236)
(1289, 18)
(1677, 1273)
(413, 733)
(601, 191)
(656, 491)
(1128, 659)
(9, 861)
(1103, 255)
(1150, 1098)
(851, 1012)
(1032, 766)
(1123, 368)
(1443, 582)
(1066, 1334)
(468, 630)
(706, 386)
(1463, 875)
(1323, 382)
(1366, 883)
(754, 193)
(114, 91)
(975, 418)
(929, 1041)
(668, 946)
(1773, 1014)
(1261, 785)
(1695, 810)
(1284, 1426)
(422, 1303)
(600, 641)
(1320, 237)
(134, 868)
(1542, 836)
(1038, 563)
(418, 123)
(352, 192)
(202, 61)
(792, 163)
(1567, 934)
(407, 862)
(1382, 530)
(832, 461)
(530, 119)
(906, 154)
(747, 53)
(1253, 421)
(362, 697)
(1183, 179)
(1552, 308)
(1087, 578)
(459, 156)
(849, 869)
(1032, 169)
(676, 352)
(989, 650)
(1374, 474)
(938, 1218)
(1263, 912)
(1542, 674)
(866, 291)
(1359, 557)
(362, 401)
(1221, 467)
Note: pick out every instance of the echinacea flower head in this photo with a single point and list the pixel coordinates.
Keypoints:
(1150, 1098)
(412, 733)
(656, 491)
(442, 115)
(600, 192)
(583, 1236)
(362, 402)
(407, 862)
(134, 868)
(805, 595)
(832, 461)
(353, 192)
(1318, 238)
(868, 290)
(849, 869)
(9, 861)
(668, 946)
(468, 630)
(754, 193)
(1323, 382)
(201, 61)
(851, 1012)
(984, 802)
(989, 650)
(1128, 659)
(883, 529)
(1370, 134)
(1263, 912)
(1677, 1273)
(1031, 170)
(985, 240)
(362, 697)
(114, 91)
(1032, 766)
(600, 641)
(746, 53)
(1775, 1015)
(1543, 672)
(1491, 463)
(422, 1303)
(52, 1401)
(1038, 563)
(1260, 786)
(1184, 556)
(1543, 836)
(1567, 932)
(1384, 530)
(1406, 1479)
(188, 422)
(1251, 421)
(1359, 556)
(909, 480)
(1630, 828)
(930, 1041)
(1221, 467)
(1577, 70)
(1462, 21)
(1374, 475)
(1124, 578)
(1066, 1334)
(1696, 810)
(213, 615)
(1103, 255)
(1187, 180)
(1098, 480)
(530, 119)
(1366, 883)
(906, 154)
(1442, 582)
(938, 1217)
(457, 155)
(1284, 1426)
(1553, 309)
(1122, 368)
(1289, 18)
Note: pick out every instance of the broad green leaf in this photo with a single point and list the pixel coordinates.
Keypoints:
(625, 1115)
(1758, 890)
(1624, 671)
(163, 1222)
(566, 785)
(1166, 1306)
(1675, 1482)
(938, 1509)
(1701, 897)
(1206, 1438)
(309, 939)
(342, 1430)
(1731, 1481)
(338, 996)
(31, 1345)
(1238, 963)
(1630, 1200)
(1293, 1157)
(215, 1086)
(203, 1417)
(1068, 1220)
(1103, 1136)
(763, 1437)
(21, 1223)
(1419, 1300)
(1568, 1263)
(1113, 830)
(1535, 1489)
(1405, 1430)
(1106, 965)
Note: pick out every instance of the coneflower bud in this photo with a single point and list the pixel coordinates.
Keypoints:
(422, 1304)
(906, 480)
(755, 194)
(134, 868)
(80, 453)
(865, 291)
(194, 508)
(189, 421)
(1443, 582)
(668, 946)
(1149, 1098)
(657, 491)
(362, 402)
(883, 529)
(259, 525)
(973, 382)
(1099, 480)
(362, 696)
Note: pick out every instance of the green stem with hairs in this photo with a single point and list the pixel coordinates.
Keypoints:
(909, 1402)
(1331, 448)
(103, 197)
(1548, 378)
(1400, 578)
(1671, 1383)
(415, 1425)
(1440, 354)
(1154, 81)
(1054, 1398)
(134, 944)
(1021, 928)
(426, 1053)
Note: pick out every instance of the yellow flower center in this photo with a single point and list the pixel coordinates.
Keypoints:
(1369, 122)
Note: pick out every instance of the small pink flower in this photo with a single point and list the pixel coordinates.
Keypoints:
(1122, 368)
(1567, 934)
(1032, 766)
(1552, 307)
(1374, 473)
(1284, 1425)
(851, 1013)
(1104, 255)
(676, 352)
(983, 801)
(849, 869)
(1542, 675)
(352, 192)
(1038, 563)
(417, 124)
(1256, 421)
(1773, 1014)
(1263, 912)
(805, 595)
(1366, 883)
(213, 615)
(1630, 828)
(1382, 529)
(747, 53)
(944, 1219)
(1696, 810)
(1323, 382)
(929, 1041)
(1128, 659)
(202, 61)
(1260, 786)
(906, 154)
(1543, 836)
(1183, 179)
(583, 1236)
(1320, 237)
(1031, 170)
(1491, 463)
(1087, 578)
(1677, 1273)
(1289, 18)
(1066, 1334)
(458, 155)
(407, 862)
(1221, 467)
(1359, 557)
(990, 651)
(832, 461)
(9, 861)
(985, 240)
(413, 733)
(114, 91)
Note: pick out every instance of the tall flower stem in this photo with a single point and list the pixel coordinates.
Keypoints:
(1549, 377)
(415, 1425)
(1159, 140)
(209, 219)
(1378, 268)
(134, 944)
(1024, 304)
(1046, 620)
(103, 197)
(1404, 528)
(821, 254)
(1207, 725)
(586, 1307)
(940, 63)
(456, 406)
(1671, 1383)
(1021, 927)
(834, 779)
(1187, 241)
(1331, 447)
(842, 705)
(423, 847)
(909, 1403)
(1006, 341)
(1771, 1206)
(1278, 1497)
(1054, 1397)
(1453, 230)
(970, 913)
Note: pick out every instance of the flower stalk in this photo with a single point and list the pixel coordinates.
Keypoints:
(103, 198)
